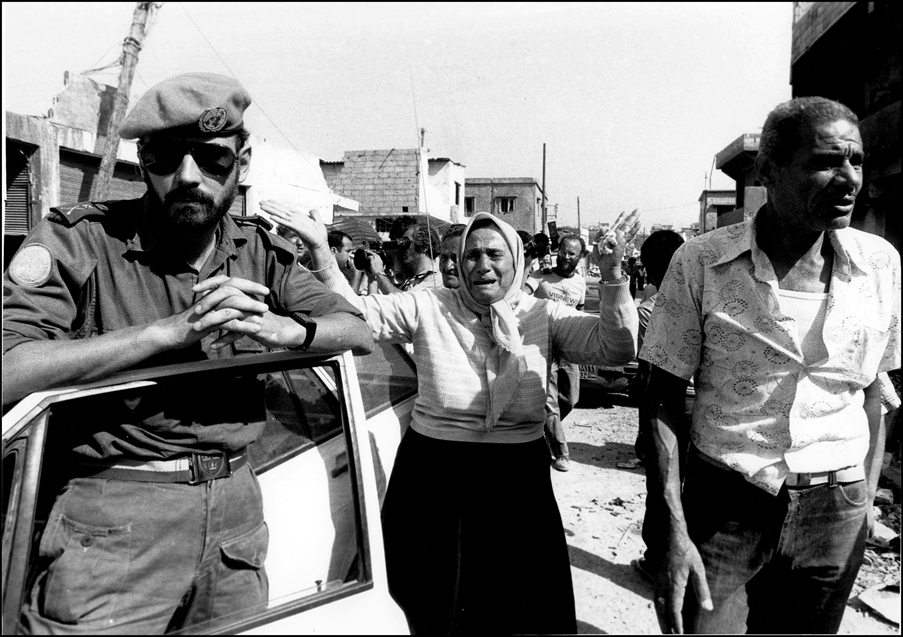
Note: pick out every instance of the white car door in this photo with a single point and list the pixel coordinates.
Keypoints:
(315, 464)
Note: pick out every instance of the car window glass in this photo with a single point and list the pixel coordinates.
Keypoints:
(387, 376)
(301, 412)
(299, 448)
(10, 464)
(10, 467)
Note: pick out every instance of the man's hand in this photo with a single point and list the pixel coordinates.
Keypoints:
(680, 564)
(376, 264)
(609, 246)
(226, 305)
(307, 225)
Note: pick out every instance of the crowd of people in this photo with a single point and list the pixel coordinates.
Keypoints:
(763, 351)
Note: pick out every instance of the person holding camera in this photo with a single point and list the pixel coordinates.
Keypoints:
(469, 502)
(565, 285)
(414, 250)
(342, 247)
(535, 247)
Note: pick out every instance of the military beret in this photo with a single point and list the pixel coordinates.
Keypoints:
(212, 103)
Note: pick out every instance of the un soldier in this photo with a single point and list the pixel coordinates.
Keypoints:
(168, 503)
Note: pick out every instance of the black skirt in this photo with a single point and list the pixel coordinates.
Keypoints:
(474, 539)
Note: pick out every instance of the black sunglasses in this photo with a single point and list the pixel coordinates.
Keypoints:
(163, 158)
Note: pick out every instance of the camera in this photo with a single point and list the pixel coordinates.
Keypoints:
(535, 247)
(362, 261)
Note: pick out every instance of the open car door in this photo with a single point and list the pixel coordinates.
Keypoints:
(314, 462)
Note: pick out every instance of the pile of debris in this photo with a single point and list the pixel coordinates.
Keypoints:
(877, 587)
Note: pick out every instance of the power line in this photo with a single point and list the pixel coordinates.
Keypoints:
(423, 178)
(152, 19)
(255, 102)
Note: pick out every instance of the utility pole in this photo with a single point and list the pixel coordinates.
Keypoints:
(129, 60)
(544, 216)
(578, 215)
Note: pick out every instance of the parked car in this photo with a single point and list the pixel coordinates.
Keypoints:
(595, 379)
(333, 424)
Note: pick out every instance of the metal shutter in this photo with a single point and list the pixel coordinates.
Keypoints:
(17, 218)
(77, 172)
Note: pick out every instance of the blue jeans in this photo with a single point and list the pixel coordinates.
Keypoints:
(122, 557)
(774, 564)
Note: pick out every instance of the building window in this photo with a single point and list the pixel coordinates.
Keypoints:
(504, 205)
(469, 204)
(457, 194)
(383, 225)
(404, 208)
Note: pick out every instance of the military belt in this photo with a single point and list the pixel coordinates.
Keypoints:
(194, 468)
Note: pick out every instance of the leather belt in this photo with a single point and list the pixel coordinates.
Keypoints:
(800, 480)
(191, 469)
(848, 474)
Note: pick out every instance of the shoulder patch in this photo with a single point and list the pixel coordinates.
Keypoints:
(71, 214)
(32, 265)
(252, 220)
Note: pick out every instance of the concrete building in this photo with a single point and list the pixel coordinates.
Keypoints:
(714, 206)
(397, 182)
(850, 52)
(737, 160)
(517, 200)
(54, 159)
(445, 192)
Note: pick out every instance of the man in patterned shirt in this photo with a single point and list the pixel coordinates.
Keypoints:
(788, 318)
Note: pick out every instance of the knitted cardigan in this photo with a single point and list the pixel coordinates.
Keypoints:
(450, 348)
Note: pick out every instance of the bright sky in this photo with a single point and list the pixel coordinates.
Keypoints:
(631, 100)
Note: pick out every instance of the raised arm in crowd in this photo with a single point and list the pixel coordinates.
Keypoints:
(473, 464)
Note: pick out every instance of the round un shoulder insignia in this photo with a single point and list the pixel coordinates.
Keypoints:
(32, 266)
(213, 120)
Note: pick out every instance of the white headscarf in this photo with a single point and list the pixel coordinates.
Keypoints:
(505, 364)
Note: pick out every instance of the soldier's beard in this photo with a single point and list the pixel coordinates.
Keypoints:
(190, 210)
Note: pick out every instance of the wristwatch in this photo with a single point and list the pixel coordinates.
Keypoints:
(624, 279)
(309, 325)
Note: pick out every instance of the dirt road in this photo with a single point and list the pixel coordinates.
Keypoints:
(602, 509)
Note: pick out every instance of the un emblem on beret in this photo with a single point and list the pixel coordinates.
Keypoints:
(213, 120)
(32, 265)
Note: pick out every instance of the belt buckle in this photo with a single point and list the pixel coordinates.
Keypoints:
(206, 467)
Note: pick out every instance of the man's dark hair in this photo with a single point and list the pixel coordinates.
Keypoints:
(426, 241)
(454, 230)
(400, 226)
(336, 239)
(656, 253)
(785, 126)
(424, 237)
(284, 231)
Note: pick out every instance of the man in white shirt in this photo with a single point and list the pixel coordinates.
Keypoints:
(562, 284)
(787, 319)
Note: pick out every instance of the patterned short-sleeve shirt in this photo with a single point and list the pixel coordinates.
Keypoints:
(760, 409)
